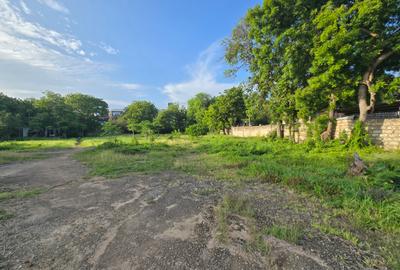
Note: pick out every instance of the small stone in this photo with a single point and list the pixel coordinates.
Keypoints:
(358, 166)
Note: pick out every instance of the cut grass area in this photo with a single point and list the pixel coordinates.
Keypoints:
(17, 151)
(18, 194)
(39, 144)
(370, 203)
(113, 159)
(11, 156)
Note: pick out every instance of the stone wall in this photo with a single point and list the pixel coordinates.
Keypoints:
(383, 132)
(253, 131)
(265, 130)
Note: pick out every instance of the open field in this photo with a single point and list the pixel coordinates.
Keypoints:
(253, 200)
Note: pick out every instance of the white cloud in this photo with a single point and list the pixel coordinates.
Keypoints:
(108, 49)
(116, 103)
(53, 4)
(127, 86)
(34, 58)
(34, 44)
(25, 7)
(202, 77)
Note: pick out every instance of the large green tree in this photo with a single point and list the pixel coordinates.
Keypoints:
(90, 111)
(256, 108)
(54, 114)
(197, 107)
(140, 111)
(171, 119)
(273, 42)
(227, 110)
(14, 115)
(357, 46)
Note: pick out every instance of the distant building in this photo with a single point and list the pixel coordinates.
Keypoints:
(114, 114)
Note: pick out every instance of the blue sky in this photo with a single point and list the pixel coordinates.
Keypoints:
(121, 51)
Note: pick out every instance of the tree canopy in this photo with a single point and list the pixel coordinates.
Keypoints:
(140, 111)
(309, 56)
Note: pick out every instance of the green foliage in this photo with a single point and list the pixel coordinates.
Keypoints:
(256, 108)
(140, 111)
(290, 233)
(197, 107)
(196, 130)
(109, 128)
(227, 110)
(310, 56)
(14, 114)
(171, 119)
(317, 126)
(359, 137)
(88, 110)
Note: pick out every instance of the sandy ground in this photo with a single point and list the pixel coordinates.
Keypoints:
(142, 222)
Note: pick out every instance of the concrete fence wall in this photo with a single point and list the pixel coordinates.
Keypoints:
(383, 132)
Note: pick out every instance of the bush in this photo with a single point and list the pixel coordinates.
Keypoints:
(318, 126)
(272, 136)
(111, 129)
(359, 137)
(196, 130)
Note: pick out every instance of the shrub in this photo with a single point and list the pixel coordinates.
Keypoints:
(359, 137)
(318, 126)
(111, 129)
(272, 136)
(196, 130)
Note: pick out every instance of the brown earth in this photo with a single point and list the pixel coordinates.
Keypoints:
(160, 221)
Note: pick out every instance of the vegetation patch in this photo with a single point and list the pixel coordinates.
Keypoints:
(18, 194)
(4, 215)
(289, 233)
(114, 159)
(231, 205)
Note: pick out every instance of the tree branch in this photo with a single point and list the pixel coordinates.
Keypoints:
(372, 34)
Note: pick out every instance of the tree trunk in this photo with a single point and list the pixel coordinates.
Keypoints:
(365, 87)
(331, 116)
(280, 131)
(362, 102)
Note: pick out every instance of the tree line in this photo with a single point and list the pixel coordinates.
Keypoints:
(53, 114)
(203, 114)
(78, 115)
(310, 57)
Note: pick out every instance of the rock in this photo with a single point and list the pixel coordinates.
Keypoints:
(358, 166)
(283, 255)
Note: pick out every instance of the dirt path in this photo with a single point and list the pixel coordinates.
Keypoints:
(143, 222)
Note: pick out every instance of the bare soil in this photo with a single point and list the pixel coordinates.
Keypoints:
(163, 221)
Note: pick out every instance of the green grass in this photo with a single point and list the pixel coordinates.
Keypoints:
(18, 194)
(24, 150)
(5, 215)
(39, 144)
(341, 232)
(289, 233)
